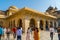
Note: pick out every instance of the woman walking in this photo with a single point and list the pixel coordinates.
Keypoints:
(28, 37)
(36, 36)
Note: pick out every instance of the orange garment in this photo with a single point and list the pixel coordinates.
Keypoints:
(36, 37)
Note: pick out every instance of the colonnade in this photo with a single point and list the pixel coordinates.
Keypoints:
(41, 24)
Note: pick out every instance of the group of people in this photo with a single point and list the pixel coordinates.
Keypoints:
(6, 31)
(17, 33)
(36, 36)
(32, 33)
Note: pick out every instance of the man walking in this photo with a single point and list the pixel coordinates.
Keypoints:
(51, 32)
(19, 33)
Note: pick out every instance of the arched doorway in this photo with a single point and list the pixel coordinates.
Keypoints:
(20, 22)
(33, 26)
(41, 24)
(32, 23)
(47, 28)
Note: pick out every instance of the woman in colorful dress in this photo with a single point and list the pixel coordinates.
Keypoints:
(36, 36)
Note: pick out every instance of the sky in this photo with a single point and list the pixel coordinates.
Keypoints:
(39, 5)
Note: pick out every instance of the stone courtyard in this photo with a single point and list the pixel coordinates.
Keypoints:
(44, 35)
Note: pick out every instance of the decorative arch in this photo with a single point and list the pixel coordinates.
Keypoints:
(32, 23)
(20, 22)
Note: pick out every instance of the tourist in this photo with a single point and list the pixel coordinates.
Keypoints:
(58, 30)
(36, 37)
(19, 33)
(51, 32)
(32, 32)
(28, 37)
(14, 32)
(1, 31)
(8, 31)
(5, 32)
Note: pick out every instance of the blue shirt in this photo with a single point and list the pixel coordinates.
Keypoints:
(1, 31)
(19, 32)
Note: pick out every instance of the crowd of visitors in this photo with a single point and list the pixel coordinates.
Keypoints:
(17, 33)
(6, 31)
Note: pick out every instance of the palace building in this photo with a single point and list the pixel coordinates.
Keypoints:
(54, 12)
(27, 17)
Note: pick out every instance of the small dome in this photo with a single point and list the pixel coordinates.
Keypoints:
(13, 7)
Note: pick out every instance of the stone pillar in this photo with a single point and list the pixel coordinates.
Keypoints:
(56, 24)
(26, 25)
(38, 25)
(48, 23)
(23, 25)
(16, 22)
(44, 25)
(53, 23)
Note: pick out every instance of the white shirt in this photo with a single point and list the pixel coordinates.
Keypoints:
(51, 29)
(4, 30)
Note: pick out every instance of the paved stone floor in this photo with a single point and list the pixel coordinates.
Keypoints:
(44, 35)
